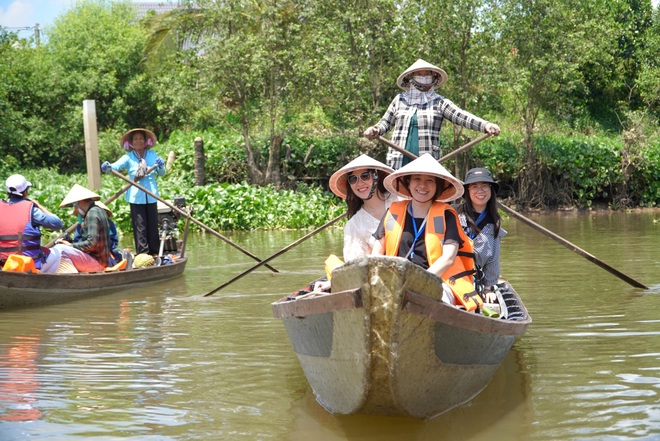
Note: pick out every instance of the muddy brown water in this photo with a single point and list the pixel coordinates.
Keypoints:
(165, 363)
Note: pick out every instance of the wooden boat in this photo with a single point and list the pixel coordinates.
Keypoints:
(20, 290)
(384, 343)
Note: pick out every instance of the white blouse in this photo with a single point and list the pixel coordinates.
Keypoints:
(358, 233)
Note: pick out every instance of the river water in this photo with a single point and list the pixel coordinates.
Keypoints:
(164, 362)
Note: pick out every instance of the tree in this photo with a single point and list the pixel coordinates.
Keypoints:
(547, 44)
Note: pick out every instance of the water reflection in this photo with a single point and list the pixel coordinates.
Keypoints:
(162, 362)
(20, 387)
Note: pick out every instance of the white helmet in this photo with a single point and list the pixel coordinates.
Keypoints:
(17, 184)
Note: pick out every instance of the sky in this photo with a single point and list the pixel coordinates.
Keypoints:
(27, 13)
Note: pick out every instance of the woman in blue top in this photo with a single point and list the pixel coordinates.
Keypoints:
(144, 210)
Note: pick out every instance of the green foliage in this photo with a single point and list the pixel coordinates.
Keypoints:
(226, 158)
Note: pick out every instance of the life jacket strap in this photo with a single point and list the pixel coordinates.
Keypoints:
(462, 274)
(15, 237)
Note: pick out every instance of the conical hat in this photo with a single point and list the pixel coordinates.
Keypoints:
(78, 193)
(100, 205)
(422, 65)
(124, 142)
(339, 179)
(105, 207)
(425, 165)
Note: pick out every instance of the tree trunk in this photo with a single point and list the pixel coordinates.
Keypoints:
(274, 162)
(256, 175)
(200, 162)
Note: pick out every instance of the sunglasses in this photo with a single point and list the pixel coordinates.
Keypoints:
(364, 177)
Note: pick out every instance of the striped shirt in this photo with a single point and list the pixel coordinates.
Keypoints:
(430, 117)
(486, 248)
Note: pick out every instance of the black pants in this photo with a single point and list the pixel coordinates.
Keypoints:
(145, 228)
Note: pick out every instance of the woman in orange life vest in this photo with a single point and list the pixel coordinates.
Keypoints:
(425, 230)
(360, 184)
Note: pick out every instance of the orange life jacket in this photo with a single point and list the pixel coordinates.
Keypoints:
(459, 276)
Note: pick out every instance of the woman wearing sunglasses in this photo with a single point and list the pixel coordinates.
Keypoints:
(360, 183)
(480, 220)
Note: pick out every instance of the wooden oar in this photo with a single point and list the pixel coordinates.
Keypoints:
(538, 227)
(444, 158)
(112, 198)
(571, 246)
(192, 219)
(279, 253)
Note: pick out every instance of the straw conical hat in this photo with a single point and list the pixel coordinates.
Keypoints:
(124, 142)
(425, 165)
(339, 179)
(78, 193)
(100, 205)
(105, 207)
(421, 65)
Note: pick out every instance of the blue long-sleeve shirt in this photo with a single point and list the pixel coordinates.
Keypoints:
(130, 163)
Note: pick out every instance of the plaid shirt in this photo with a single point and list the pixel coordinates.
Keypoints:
(95, 235)
(430, 117)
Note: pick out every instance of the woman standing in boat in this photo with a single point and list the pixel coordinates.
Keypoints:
(360, 184)
(425, 230)
(144, 209)
(480, 220)
(417, 115)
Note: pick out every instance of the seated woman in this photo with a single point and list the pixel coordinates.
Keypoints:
(114, 236)
(424, 229)
(360, 184)
(480, 220)
(92, 252)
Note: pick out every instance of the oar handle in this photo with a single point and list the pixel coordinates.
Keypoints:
(444, 158)
(188, 216)
(389, 143)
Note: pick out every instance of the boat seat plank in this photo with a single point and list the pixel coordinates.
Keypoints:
(321, 303)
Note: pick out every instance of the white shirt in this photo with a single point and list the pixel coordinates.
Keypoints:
(359, 230)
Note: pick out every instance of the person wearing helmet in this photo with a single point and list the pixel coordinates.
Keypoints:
(21, 220)
(417, 115)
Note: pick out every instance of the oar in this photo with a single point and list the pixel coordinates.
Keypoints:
(572, 247)
(444, 158)
(112, 198)
(192, 219)
(280, 252)
(538, 227)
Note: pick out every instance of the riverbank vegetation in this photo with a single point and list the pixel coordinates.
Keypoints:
(281, 91)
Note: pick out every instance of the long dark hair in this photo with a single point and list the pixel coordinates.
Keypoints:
(354, 203)
(491, 208)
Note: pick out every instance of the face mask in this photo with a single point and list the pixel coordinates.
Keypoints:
(423, 79)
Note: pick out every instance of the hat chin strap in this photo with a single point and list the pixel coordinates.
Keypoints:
(374, 186)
